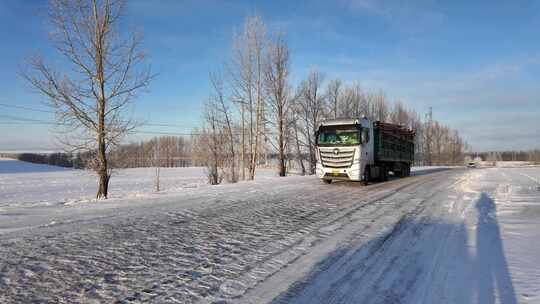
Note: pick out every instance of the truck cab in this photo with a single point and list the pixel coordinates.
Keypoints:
(343, 149)
(361, 150)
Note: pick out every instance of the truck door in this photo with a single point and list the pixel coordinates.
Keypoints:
(367, 145)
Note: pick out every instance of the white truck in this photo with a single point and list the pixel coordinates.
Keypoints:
(359, 150)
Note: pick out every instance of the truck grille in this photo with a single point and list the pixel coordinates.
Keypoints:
(342, 159)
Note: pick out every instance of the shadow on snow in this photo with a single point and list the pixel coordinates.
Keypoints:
(491, 264)
(397, 267)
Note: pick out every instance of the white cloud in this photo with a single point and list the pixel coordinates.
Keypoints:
(411, 17)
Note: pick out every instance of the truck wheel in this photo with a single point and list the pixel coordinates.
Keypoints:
(398, 170)
(327, 181)
(384, 174)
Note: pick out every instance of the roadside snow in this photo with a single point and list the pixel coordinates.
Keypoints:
(26, 184)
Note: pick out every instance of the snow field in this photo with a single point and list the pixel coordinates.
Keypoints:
(28, 184)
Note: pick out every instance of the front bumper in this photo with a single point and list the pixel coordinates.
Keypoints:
(353, 173)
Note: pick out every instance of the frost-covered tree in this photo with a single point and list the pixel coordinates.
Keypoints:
(246, 73)
(102, 75)
(278, 91)
(311, 110)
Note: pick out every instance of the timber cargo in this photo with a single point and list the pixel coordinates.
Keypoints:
(393, 143)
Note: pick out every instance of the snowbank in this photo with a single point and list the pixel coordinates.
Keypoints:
(27, 184)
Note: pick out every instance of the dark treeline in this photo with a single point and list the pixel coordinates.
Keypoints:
(60, 159)
(165, 151)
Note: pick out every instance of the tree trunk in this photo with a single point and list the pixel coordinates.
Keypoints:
(243, 157)
(157, 179)
(234, 177)
(254, 149)
(282, 171)
(258, 122)
(311, 147)
(312, 160)
(298, 149)
(282, 168)
(103, 169)
(102, 102)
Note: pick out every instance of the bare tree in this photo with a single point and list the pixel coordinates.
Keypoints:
(276, 74)
(91, 97)
(157, 165)
(311, 111)
(350, 101)
(439, 138)
(227, 124)
(399, 114)
(333, 95)
(296, 121)
(366, 100)
(246, 74)
(380, 106)
(417, 125)
(534, 156)
(428, 138)
(210, 143)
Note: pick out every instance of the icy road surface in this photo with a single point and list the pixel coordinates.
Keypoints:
(454, 236)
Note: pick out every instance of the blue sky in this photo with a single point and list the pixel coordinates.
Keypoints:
(477, 63)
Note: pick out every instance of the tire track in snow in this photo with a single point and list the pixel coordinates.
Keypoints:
(385, 214)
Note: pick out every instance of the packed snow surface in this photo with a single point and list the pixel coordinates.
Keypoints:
(441, 236)
(23, 183)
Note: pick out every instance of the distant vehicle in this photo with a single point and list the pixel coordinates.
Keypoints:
(359, 150)
(471, 165)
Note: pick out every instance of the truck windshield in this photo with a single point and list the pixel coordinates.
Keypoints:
(339, 137)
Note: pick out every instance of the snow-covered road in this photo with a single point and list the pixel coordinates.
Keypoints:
(475, 239)
(453, 236)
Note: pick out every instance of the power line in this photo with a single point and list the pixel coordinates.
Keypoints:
(18, 123)
(32, 149)
(164, 125)
(35, 122)
(24, 108)
(16, 120)
(166, 133)
(52, 112)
